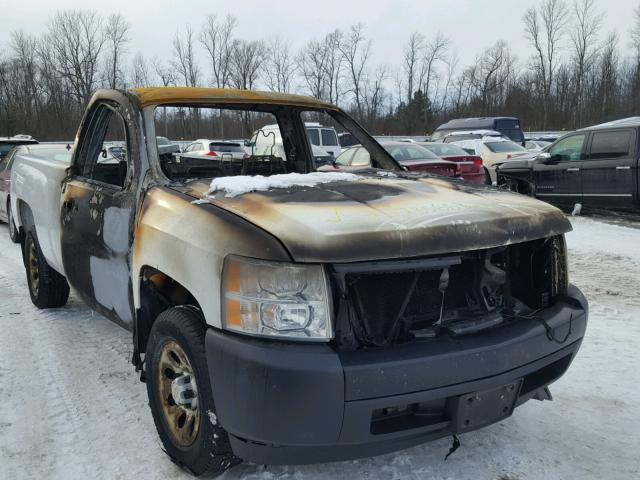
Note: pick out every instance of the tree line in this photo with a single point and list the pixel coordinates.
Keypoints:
(573, 75)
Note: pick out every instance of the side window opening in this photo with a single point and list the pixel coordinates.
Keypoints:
(232, 141)
(104, 156)
(606, 145)
(569, 148)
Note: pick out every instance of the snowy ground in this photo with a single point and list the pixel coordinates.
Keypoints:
(71, 406)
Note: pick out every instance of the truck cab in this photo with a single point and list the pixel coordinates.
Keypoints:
(596, 167)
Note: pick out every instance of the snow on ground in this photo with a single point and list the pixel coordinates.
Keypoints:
(71, 406)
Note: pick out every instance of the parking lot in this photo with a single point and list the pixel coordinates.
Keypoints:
(74, 408)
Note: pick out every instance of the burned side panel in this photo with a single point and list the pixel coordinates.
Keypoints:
(98, 213)
(188, 242)
(95, 249)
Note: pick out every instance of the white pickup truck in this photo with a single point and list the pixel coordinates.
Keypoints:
(281, 315)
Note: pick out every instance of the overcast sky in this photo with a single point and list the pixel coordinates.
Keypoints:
(471, 25)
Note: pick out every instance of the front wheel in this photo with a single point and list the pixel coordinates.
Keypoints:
(180, 394)
(47, 288)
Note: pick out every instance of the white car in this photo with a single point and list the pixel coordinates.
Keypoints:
(215, 148)
(535, 145)
(492, 150)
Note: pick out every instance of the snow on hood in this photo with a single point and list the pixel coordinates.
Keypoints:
(234, 186)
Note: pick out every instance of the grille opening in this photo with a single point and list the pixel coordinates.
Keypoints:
(387, 303)
(545, 375)
(405, 417)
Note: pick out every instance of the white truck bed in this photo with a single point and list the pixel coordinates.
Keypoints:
(36, 178)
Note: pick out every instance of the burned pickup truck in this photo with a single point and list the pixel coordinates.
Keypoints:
(282, 315)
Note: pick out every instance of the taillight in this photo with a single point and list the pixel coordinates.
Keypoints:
(477, 161)
(211, 154)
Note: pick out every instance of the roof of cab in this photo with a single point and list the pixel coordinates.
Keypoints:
(190, 95)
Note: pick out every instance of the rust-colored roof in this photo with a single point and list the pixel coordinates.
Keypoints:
(190, 95)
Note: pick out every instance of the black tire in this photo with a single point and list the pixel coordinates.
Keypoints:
(47, 288)
(14, 234)
(210, 451)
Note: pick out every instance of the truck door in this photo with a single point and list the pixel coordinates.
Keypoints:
(558, 179)
(98, 212)
(609, 171)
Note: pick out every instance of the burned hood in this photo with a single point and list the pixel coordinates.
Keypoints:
(377, 217)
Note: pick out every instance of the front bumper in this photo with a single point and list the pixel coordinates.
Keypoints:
(292, 403)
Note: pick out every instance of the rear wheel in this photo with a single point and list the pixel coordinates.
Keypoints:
(47, 288)
(180, 394)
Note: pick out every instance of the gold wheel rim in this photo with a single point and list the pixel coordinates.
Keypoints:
(34, 272)
(182, 420)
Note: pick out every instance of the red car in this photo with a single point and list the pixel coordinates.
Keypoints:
(470, 166)
(412, 156)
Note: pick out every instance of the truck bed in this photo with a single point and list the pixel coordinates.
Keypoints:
(36, 180)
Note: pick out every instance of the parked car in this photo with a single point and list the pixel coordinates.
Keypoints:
(492, 150)
(596, 167)
(7, 143)
(469, 166)
(166, 146)
(302, 317)
(267, 141)
(215, 148)
(321, 136)
(5, 182)
(411, 156)
(535, 145)
(507, 126)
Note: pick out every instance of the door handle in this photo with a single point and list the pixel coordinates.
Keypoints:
(626, 167)
(573, 169)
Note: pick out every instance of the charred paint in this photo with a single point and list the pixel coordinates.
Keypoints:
(208, 96)
(424, 216)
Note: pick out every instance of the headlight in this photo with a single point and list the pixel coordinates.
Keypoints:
(275, 299)
(560, 266)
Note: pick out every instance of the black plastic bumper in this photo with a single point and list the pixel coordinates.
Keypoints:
(287, 403)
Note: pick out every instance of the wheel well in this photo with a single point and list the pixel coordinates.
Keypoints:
(158, 292)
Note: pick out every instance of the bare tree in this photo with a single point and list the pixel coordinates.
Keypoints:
(184, 57)
(311, 65)
(413, 57)
(279, 65)
(355, 50)
(76, 41)
(584, 40)
(139, 71)
(246, 60)
(332, 66)
(116, 33)
(165, 73)
(217, 39)
(374, 94)
(435, 51)
(545, 27)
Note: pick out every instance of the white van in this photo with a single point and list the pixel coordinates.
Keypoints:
(324, 137)
(268, 141)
